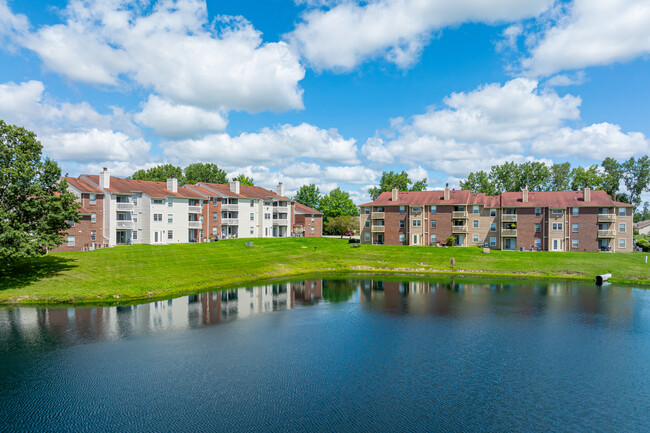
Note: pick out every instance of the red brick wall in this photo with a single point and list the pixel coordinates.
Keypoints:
(306, 222)
(208, 222)
(443, 223)
(526, 234)
(587, 235)
(392, 228)
(82, 229)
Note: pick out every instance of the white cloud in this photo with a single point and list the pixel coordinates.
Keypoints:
(592, 32)
(510, 35)
(272, 147)
(178, 121)
(561, 80)
(94, 145)
(348, 33)
(173, 50)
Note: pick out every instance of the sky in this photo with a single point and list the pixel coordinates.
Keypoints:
(331, 92)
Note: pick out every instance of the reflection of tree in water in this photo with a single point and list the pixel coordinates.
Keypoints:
(338, 290)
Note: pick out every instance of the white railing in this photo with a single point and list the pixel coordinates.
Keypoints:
(377, 215)
(124, 224)
(123, 206)
(280, 221)
(378, 229)
(282, 209)
(459, 214)
(606, 217)
(459, 229)
(606, 233)
(195, 224)
(509, 217)
(195, 209)
(230, 207)
(509, 232)
(230, 221)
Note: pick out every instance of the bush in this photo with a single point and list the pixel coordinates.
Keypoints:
(450, 241)
(643, 244)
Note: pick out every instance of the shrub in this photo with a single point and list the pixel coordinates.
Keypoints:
(450, 241)
(644, 244)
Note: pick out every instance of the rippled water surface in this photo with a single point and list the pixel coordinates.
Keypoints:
(336, 355)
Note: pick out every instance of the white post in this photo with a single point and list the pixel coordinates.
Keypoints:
(646, 260)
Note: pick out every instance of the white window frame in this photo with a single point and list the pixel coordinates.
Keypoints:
(575, 211)
(417, 223)
(253, 216)
(538, 243)
(170, 234)
(575, 243)
(402, 237)
(493, 242)
(493, 212)
(92, 199)
(434, 209)
(538, 211)
(170, 202)
(71, 240)
(621, 228)
(475, 237)
(493, 227)
(367, 237)
(538, 226)
(621, 211)
(93, 217)
(575, 227)
(475, 210)
(557, 227)
(433, 238)
(93, 235)
(475, 223)
(557, 212)
(170, 218)
(621, 243)
(367, 210)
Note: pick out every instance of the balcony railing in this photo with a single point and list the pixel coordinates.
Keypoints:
(229, 221)
(459, 214)
(123, 206)
(509, 217)
(606, 217)
(281, 209)
(195, 224)
(377, 215)
(509, 232)
(459, 229)
(124, 224)
(280, 221)
(195, 209)
(230, 207)
(606, 233)
(378, 228)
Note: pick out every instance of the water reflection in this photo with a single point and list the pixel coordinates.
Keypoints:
(60, 326)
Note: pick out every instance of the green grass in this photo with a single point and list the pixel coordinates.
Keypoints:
(143, 272)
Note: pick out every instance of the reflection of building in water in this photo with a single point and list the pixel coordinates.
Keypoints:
(308, 291)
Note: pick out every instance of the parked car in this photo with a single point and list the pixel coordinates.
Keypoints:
(349, 233)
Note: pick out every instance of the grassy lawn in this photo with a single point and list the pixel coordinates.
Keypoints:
(144, 271)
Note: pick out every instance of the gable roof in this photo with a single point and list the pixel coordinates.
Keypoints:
(245, 191)
(302, 209)
(559, 199)
(82, 185)
(420, 198)
(151, 188)
(642, 224)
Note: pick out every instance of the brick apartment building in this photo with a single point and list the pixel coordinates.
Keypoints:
(545, 221)
(307, 222)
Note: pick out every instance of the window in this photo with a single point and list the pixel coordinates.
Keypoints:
(170, 202)
(252, 230)
(538, 211)
(93, 235)
(135, 219)
(621, 211)
(538, 243)
(93, 199)
(71, 223)
(538, 227)
(493, 227)
(401, 237)
(417, 223)
(575, 211)
(170, 218)
(417, 209)
(135, 201)
(475, 224)
(157, 217)
(493, 212)
(557, 226)
(214, 201)
(70, 241)
(135, 235)
(93, 217)
(214, 230)
(556, 211)
(574, 242)
(312, 230)
(433, 224)
(493, 242)
(415, 239)
(402, 210)
(433, 209)
(367, 237)
(252, 216)
(475, 209)
(621, 228)
(475, 237)
(367, 211)
(367, 223)
(574, 226)
(156, 201)
(214, 216)
(621, 243)
(401, 224)
(170, 234)
(267, 203)
(267, 216)
(312, 218)
(379, 209)
(433, 238)
(266, 231)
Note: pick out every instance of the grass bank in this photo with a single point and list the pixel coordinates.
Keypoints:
(145, 271)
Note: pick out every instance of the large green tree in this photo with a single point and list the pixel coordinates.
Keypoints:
(200, 172)
(337, 203)
(341, 224)
(560, 177)
(590, 176)
(160, 173)
(401, 181)
(478, 182)
(613, 173)
(35, 204)
(309, 195)
(636, 175)
(244, 180)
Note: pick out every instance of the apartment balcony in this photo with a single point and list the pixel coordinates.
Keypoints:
(607, 234)
(377, 215)
(459, 229)
(509, 217)
(124, 224)
(379, 229)
(280, 221)
(509, 232)
(459, 214)
(281, 209)
(124, 206)
(230, 207)
(195, 224)
(229, 221)
(195, 209)
(606, 217)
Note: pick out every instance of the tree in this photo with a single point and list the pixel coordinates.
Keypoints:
(341, 224)
(199, 172)
(160, 173)
(309, 195)
(535, 175)
(478, 182)
(244, 180)
(35, 205)
(586, 177)
(612, 176)
(561, 178)
(636, 175)
(337, 203)
(505, 177)
(338, 290)
(401, 181)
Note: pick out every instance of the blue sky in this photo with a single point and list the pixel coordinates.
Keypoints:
(331, 92)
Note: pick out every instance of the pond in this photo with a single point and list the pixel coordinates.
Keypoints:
(336, 355)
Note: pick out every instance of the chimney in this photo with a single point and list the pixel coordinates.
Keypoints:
(524, 196)
(105, 179)
(395, 194)
(587, 194)
(172, 184)
(280, 189)
(446, 197)
(234, 186)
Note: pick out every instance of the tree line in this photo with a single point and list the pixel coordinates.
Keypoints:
(193, 173)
